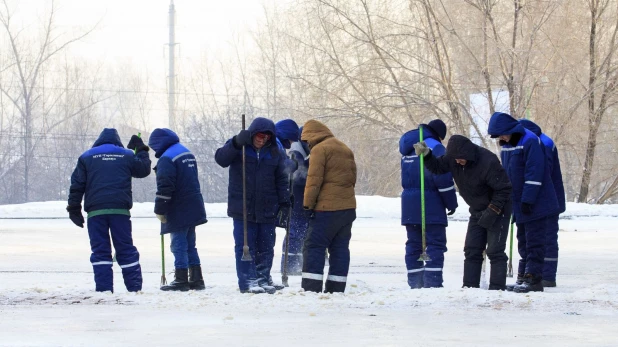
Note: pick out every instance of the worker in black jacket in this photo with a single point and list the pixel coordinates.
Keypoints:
(486, 188)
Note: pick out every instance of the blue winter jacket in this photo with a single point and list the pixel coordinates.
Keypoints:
(266, 179)
(526, 167)
(178, 196)
(103, 173)
(440, 194)
(551, 155)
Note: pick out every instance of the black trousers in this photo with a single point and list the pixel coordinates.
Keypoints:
(493, 241)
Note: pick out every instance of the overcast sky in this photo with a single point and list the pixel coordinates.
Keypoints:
(136, 31)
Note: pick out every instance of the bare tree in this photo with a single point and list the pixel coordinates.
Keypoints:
(26, 88)
(601, 91)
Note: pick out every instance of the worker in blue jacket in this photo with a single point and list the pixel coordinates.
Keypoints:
(551, 238)
(103, 175)
(297, 163)
(534, 196)
(267, 194)
(179, 206)
(440, 196)
(299, 222)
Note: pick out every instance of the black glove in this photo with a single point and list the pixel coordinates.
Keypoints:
(451, 212)
(136, 143)
(526, 208)
(75, 214)
(282, 216)
(487, 218)
(242, 139)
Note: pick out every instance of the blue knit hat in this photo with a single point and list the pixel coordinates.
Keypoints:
(438, 127)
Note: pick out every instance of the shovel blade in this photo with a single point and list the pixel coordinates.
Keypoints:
(246, 256)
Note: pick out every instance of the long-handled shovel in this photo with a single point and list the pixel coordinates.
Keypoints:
(424, 256)
(484, 284)
(284, 274)
(510, 267)
(246, 256)
(163, 280)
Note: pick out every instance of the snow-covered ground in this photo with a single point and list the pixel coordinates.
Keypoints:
(47, 296)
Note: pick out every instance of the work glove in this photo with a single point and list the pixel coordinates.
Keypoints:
(162, 218)
(421, 149)
(137, 144)
(75, 214)
(526, 208)
(451, 212)
(282, 216)
(488, 217)
(242, 139)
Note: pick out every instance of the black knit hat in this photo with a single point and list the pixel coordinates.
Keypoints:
(438, 127)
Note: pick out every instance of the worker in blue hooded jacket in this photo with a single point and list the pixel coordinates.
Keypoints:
(440, 196)
(179, 206)
(534, 196)
(103, 174)
(288, 136)
(550, 266)
(267, 193)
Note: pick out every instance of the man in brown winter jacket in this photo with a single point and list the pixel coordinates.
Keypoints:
(331, 203)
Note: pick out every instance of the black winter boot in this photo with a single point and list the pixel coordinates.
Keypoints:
(532, 283)
(472, 274)
(253, 290)
(196, 281)
(520, 281)
(268, 289)
(548, 284)
(497, 276)
(180, 283)
(277, 286)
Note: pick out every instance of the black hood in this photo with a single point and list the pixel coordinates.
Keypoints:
(460, 147)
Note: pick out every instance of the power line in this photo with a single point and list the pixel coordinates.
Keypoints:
(85, 137)
(129, 91)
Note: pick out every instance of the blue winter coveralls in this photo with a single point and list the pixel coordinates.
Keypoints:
(267, 192)
(103, 174)
(551, 238)
(534, 196)
(440, 195)
(179, 197)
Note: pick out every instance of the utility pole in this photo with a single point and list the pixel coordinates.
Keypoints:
(172, 76)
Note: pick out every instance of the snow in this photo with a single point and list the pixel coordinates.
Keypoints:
(376, 207)
(47, 296)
